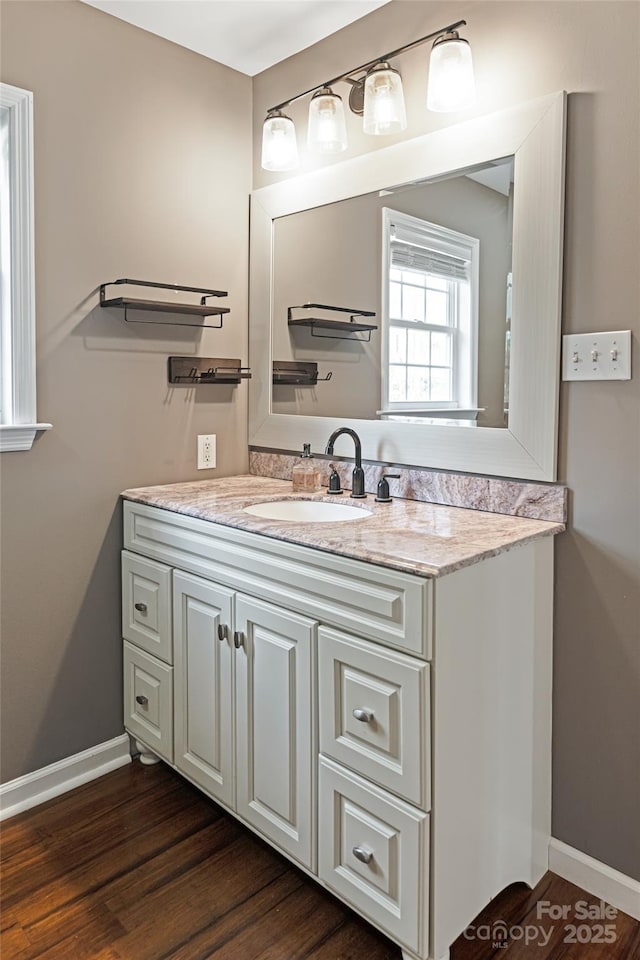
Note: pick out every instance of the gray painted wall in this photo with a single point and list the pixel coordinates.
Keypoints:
(524, 50)
(142, 169)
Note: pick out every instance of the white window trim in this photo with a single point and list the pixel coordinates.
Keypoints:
(18, 432)
(469, 405)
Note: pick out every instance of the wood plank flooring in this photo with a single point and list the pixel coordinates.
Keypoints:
(139, 865)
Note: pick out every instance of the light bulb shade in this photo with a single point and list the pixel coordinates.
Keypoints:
(327, 132)
(451, 83)
(384, 110)
(279, 145)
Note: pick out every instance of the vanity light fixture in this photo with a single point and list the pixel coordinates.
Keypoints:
(376, 94)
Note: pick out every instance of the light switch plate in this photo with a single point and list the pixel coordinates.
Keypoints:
(597, 356)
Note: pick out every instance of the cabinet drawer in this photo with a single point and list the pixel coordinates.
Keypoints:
(148, 700)
(385, 605)
(374, 713)
(146, 605)
(374, 853)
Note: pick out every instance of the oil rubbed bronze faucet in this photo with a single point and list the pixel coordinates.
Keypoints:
(357, 481)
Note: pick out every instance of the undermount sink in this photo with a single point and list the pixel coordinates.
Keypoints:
(307, 511)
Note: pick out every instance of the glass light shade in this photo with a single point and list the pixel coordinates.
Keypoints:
(279, 145)
(451, 83)
(384, 110)
(327, 131)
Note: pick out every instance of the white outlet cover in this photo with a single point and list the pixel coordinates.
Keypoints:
(206, 451)
(597, 356)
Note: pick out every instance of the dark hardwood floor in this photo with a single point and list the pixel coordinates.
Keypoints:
(139, 865)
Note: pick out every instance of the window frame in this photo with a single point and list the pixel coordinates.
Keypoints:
(464, 342)
(19, 423)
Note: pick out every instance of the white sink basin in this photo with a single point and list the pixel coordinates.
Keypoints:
(307, 511)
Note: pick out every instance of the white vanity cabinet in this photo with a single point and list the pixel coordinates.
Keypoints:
(387, 731)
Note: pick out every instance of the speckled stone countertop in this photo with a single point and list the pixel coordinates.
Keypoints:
(423, 538)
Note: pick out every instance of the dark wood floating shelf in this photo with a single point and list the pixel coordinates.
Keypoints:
(191, 371)
(297, 373)
(202, 309)
(342, 328)
(349, 325)
(161, 306)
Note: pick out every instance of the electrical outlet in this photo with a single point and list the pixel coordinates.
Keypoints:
(206, 451)
(597, 356)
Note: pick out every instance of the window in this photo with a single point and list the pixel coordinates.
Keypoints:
(430, 296)
(18, 424)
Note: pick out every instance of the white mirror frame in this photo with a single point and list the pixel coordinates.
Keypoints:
(535, 134)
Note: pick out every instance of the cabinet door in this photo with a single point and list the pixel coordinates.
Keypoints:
(275, 732)
(203, 677)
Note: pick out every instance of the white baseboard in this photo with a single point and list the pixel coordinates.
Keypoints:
(596, 878)
(34, 788)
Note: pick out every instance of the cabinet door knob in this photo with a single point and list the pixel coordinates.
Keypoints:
(142, 607)
(362, 854)
(222, 632)
(238, 639)
(364, 715)
(143, 701)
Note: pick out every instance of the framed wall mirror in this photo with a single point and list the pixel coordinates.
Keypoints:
(434, 271)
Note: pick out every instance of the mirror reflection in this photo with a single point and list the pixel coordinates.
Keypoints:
(402, 299)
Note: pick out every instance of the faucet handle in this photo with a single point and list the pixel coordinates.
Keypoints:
(383, 495)
(334, 481)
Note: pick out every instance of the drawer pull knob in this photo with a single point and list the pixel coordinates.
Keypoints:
(141, 607)
(362, 854)
(143, 701)
(238, 639)
(222, 632)
(365, 716)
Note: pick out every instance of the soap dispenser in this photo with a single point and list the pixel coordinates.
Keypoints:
(306, 475)
(334, 481)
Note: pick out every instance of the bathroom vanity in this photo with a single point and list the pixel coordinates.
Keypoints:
(371, 696)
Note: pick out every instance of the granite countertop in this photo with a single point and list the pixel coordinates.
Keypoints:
(427, 539)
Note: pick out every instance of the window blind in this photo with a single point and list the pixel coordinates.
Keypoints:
(406, 256)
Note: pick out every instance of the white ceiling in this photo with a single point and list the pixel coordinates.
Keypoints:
(248, 35)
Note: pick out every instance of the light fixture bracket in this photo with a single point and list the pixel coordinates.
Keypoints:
(449, 35)
(356, 95)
